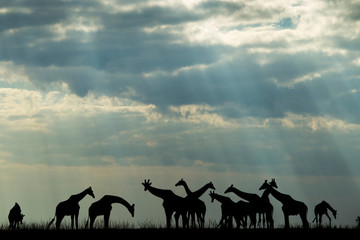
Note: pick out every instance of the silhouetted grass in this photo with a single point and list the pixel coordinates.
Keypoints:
(157, 230)
(150, 224)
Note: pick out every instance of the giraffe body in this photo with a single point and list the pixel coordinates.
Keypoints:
(171, 203)
(70, 207)
(15, 216)
(268, 209)
(321, 209)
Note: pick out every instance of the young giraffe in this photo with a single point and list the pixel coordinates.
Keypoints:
(103, 207)
(321, 209)
(171, 203)
(266, 206)
(289, 205)
(70, 207)
(199, 207)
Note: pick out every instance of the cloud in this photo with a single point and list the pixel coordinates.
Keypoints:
(208, 64)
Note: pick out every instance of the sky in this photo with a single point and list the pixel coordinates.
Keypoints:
(107, 93)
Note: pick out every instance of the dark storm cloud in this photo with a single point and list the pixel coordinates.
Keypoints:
(148, 17)
(38, 13)
(120, 44)
(139, 48)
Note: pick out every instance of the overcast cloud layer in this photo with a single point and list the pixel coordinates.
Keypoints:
(259, 87)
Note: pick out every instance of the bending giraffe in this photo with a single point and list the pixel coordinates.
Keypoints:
(171, 203)
(289, 205)
(321, 209)
(197, 207)
(103, 207)
(70, 207)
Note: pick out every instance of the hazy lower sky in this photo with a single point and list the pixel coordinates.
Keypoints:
(109, 93)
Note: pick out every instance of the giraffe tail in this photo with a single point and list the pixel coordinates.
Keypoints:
(51, 222)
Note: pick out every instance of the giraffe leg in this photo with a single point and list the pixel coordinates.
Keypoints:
(176, 216)
(185, 220)
(259, 219)
(76, 216)
(72, 221)
(106, 220)
(92, 220)
(320, 220)
(304, 220)
(286, 217)
(59, 218)
(316, 220)
(328, 218)
(230, 221)
(221, 221)
(168, 214)
(264, 220)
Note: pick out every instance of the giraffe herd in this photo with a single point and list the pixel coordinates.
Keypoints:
(188, 206)
(191, 208)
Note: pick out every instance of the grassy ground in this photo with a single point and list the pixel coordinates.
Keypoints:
(157, 231)
(161, 233)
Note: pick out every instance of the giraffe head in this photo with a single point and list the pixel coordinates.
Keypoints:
(21, 217)
(264, 186)
(181, 182)
(334, 213)
(90, 192)
(132, 210)
(146, 184)
(212, 195)
(230, 189)
(273, 183)
(267, 185)
(211, 185)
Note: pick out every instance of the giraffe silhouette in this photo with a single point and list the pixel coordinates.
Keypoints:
(289, 205)
(15, 216)
(229, 210)
(198, 193)
(252, 198)
(197, 206)
(267, 207)
(70, 207)
(103, 207)
(171, 203)
(321, 209)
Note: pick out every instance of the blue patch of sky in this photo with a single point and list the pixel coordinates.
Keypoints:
(286, 23)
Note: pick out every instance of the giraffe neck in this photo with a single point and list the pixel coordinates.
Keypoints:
(265, 195)
(161, 193)
(329, 207)
(283, 198)
(78, 197)
(115, 199)
(222, 199)
(187, 189)
(198, 193)
(247, 196)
